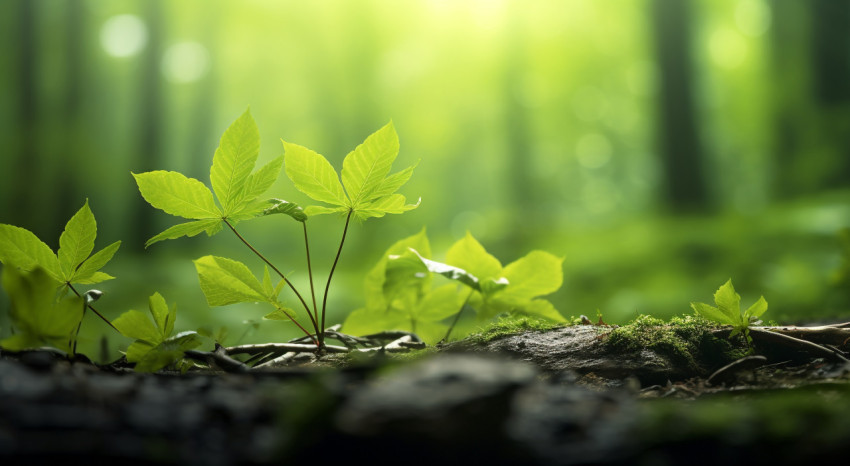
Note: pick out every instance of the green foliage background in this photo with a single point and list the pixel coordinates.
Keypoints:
(539, 125)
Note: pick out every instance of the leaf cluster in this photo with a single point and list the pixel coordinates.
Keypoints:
(73, 263)
(155, 347)
(728, 311)
(399, 294)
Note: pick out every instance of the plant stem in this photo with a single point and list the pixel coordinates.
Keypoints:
(92, 309)
(310, 273)
(331, 274)
(286, 280)
(457, 316)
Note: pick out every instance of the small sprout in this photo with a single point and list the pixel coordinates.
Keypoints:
(92, 296)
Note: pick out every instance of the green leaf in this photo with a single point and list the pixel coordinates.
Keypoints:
(87, 273)
(168, 352)
(263, 179)
(39, 318)
(226, 281)
(313, 175)
(234, 160)
(393, 204)
(177, 195)
(543, 308)
(19, 247)
(137, 350)
(187, 229)
(412, 263)
(368, 164)
(281, 314)
(92, 279)
(374, 282)
(712, 313)
(365, 321)
(439, 304)
(729, 302)
(314, 210)
(77, 241)
(268, 288)
(279, 206)
(137, 325)
(470, 255)
(161, 314)
(392, 183)
(538, 273)
(756, 310)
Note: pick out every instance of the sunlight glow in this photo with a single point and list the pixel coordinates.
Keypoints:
(123, 35)
(185, 62)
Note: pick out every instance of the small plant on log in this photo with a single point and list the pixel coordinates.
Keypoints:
(367, 190)
(728, 312)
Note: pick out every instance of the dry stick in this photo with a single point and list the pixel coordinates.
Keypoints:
(768, 336)
(285, 347)
(331, 274)
(304, 303)
(833, 334)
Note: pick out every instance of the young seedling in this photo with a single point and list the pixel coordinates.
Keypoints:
(368, 192)
(155, 347)
(728, 312)
(73, 264)
(399, 296)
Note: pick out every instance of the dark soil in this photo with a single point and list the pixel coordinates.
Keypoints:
(555, 397)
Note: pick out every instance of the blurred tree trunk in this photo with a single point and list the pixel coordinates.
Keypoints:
(66, 189)
(521, 195)
(26, 161)
(203, 139)
(678, 137)
(811, 65)
(143, 221)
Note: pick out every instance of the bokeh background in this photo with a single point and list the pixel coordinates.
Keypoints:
(659, 146)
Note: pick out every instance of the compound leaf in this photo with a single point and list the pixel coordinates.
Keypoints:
(177, 195)
(234, 160)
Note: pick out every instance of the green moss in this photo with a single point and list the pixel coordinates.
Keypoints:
(686, 340)
(510, 325)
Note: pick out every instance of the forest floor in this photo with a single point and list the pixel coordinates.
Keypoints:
(584, 394)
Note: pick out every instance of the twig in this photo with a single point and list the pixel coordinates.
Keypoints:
(283, 348)
(772, 337)
(218, 358)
